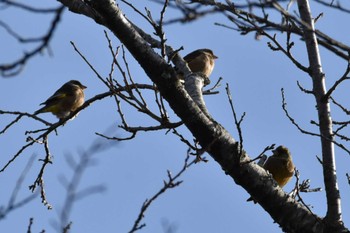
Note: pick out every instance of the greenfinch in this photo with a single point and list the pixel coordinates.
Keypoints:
(280, 166)
(201, 61)
(65, 100)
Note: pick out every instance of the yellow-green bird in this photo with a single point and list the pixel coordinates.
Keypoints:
(65, 100)
(280, 166)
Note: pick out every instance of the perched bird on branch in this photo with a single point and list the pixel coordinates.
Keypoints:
(65, 100)
(280, 166)
(201, 60)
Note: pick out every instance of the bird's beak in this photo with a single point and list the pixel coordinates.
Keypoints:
(83, 87)
(215, 57)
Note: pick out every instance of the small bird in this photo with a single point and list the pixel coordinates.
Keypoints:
(201, 61)
(65, 100)
(280, 165)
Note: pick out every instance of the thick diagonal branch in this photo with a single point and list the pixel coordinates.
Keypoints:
(292, 216)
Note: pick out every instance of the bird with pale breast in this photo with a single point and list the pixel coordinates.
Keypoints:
(280, 166)
(65, 100)
(201, 61)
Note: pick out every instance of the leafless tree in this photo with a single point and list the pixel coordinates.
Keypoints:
(158, 59)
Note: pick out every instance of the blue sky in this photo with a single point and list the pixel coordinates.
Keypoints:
(131, 171)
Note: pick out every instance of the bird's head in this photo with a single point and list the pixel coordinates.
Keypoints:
(76, 83)
(281, 151)
(209, 52)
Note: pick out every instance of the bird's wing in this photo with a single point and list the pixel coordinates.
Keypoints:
(54, 98)
(280, 165)
(189, 57)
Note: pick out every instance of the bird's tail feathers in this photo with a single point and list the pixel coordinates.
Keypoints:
(42, 110)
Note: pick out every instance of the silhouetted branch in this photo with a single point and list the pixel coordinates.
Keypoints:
(67, 227)
(78, 168)
(243, 18)
(171, 182)
(55, 126)
(292, 120)
(28, 8)
(20, 115)
(306, 91)
(29, 230)
(211, 91)
(13, 204)
(337, 6)
(13, 68)
(339, 81)
(237, 122)
(346, 111)
(261, 157)
(88, 63)
(303, 187)
(40, 178)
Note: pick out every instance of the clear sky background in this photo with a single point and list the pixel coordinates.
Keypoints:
(132, 171)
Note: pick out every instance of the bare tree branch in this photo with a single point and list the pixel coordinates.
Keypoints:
(13, 68)
(13, 204)
(334, 213)
(171, 183)
(78, 168)
(212, 136)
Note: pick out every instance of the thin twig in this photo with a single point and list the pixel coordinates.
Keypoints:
(261, 155)
(339, 81)
(237, 122)
(40, 178)
(303, 187)
(15, 67)
(169, 184)
(29, 229)
(13, 203)
(291, 119)
(88, 63)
